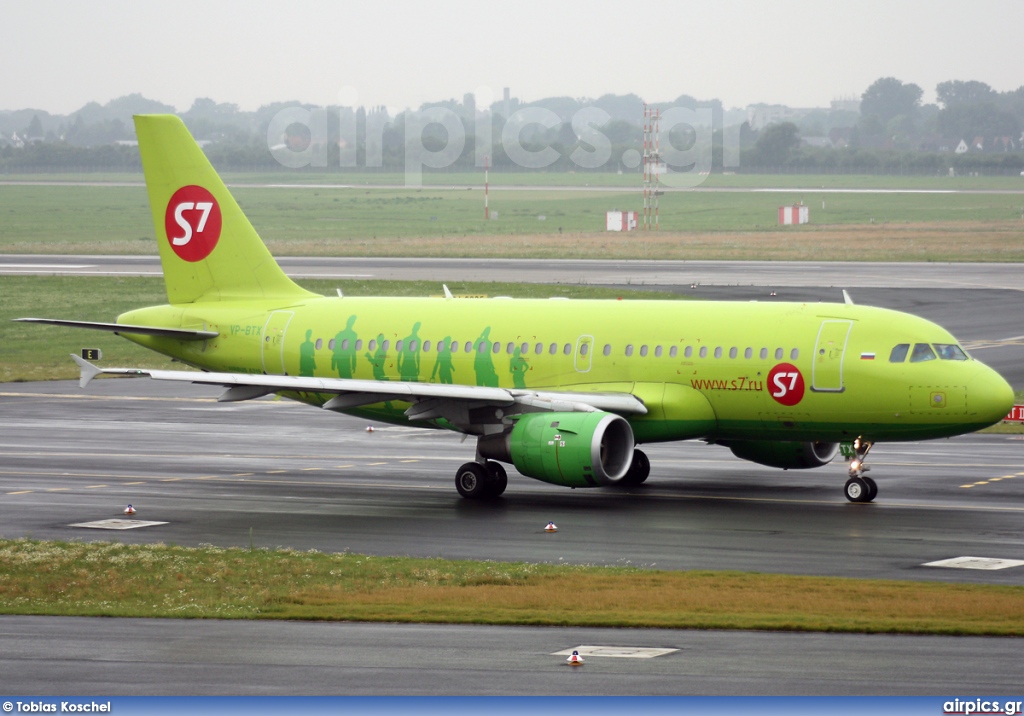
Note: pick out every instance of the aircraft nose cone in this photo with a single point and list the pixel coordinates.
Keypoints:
(990, 396)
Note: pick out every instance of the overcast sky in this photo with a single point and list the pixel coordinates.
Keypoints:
(57, 56)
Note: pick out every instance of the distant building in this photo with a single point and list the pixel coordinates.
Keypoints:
(760, 116)
(846, 104)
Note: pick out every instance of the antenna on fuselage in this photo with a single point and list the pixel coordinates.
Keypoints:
(846, 298)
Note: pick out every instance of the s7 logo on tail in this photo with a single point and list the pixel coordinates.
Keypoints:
(192, 223)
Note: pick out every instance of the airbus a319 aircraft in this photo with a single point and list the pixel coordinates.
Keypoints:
(563, 390)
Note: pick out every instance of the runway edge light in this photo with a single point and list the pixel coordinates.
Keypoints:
(551, 527)
(129, 510)
(575, 659)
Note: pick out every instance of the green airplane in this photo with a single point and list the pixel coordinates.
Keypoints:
(563, 390)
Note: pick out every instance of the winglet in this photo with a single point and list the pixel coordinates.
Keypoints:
(846, 297)
(89, 371)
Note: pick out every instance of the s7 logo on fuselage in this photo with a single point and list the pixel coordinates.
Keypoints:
(786, 384)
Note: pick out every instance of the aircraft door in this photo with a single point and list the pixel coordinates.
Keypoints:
(273, 342)
(584, 353)
(827, 369)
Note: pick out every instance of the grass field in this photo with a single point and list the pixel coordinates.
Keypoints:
(61, 578)
(626, 180)
(449, 222)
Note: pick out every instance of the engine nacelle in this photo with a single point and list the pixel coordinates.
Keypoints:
(785, 454)
(570, 449)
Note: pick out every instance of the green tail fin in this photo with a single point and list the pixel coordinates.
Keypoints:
(208, 249)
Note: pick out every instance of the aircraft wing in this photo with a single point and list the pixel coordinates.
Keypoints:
(182, 334)
(429, 399)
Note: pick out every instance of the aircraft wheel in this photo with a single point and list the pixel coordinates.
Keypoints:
(857, 490)
(473, 481)
(499, 478)
(639, 469)
(872, 489)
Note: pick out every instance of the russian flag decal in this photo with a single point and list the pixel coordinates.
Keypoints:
(867, 356)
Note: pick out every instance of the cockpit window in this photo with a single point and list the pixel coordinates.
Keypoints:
(922, 352)
(950, 351)
(899, 353)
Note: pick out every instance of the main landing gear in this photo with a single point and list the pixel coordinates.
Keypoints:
(638, 471)
(478, 481)
(860, 488)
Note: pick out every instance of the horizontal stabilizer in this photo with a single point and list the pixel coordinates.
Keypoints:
(182, 334)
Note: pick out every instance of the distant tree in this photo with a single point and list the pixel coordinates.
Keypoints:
(777, 142)
(887, 98)
(35, 127)
(956, 92)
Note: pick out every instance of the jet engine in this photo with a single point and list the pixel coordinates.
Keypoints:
(785, 454)
(570, 449)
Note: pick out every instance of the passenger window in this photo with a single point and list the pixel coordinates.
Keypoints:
(584, 349)
(778, 354)
(899, 353)
(319, 343)
(733, 352)
(643, 351)
(524, 349)
(359, 344)
(922, 352)
(510, 348)
(496, 348)
(398, 346)
(426, 346)
(372, 345)
(764, 354)
(539, 349)
(553, 349)
(657, 351)
(703, 351)
(673, 351)
(794, 354)
(469, 346)
(455, 346)
(950, 351)
(629, 349)
(386, 345)
(718, 352)
(330, 344)
(607, 349)
(688, 352)
(749, 353)
(567, 349)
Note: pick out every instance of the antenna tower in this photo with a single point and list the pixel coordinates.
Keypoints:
(652, 165)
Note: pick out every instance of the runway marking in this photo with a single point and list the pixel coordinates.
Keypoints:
(408, 461)
(374, 464)
(20, 492)
(621, 652)
(58, 489)
(276, 472)
(117, 524)
(310, 469)
(343, 467)
(975, 563)
(135, 483)
(244, 474)
(95, 487)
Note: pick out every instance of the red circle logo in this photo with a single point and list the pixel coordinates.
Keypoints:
(192, 223)
(786, 384)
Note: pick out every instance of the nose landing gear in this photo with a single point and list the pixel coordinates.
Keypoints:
(860, 488)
